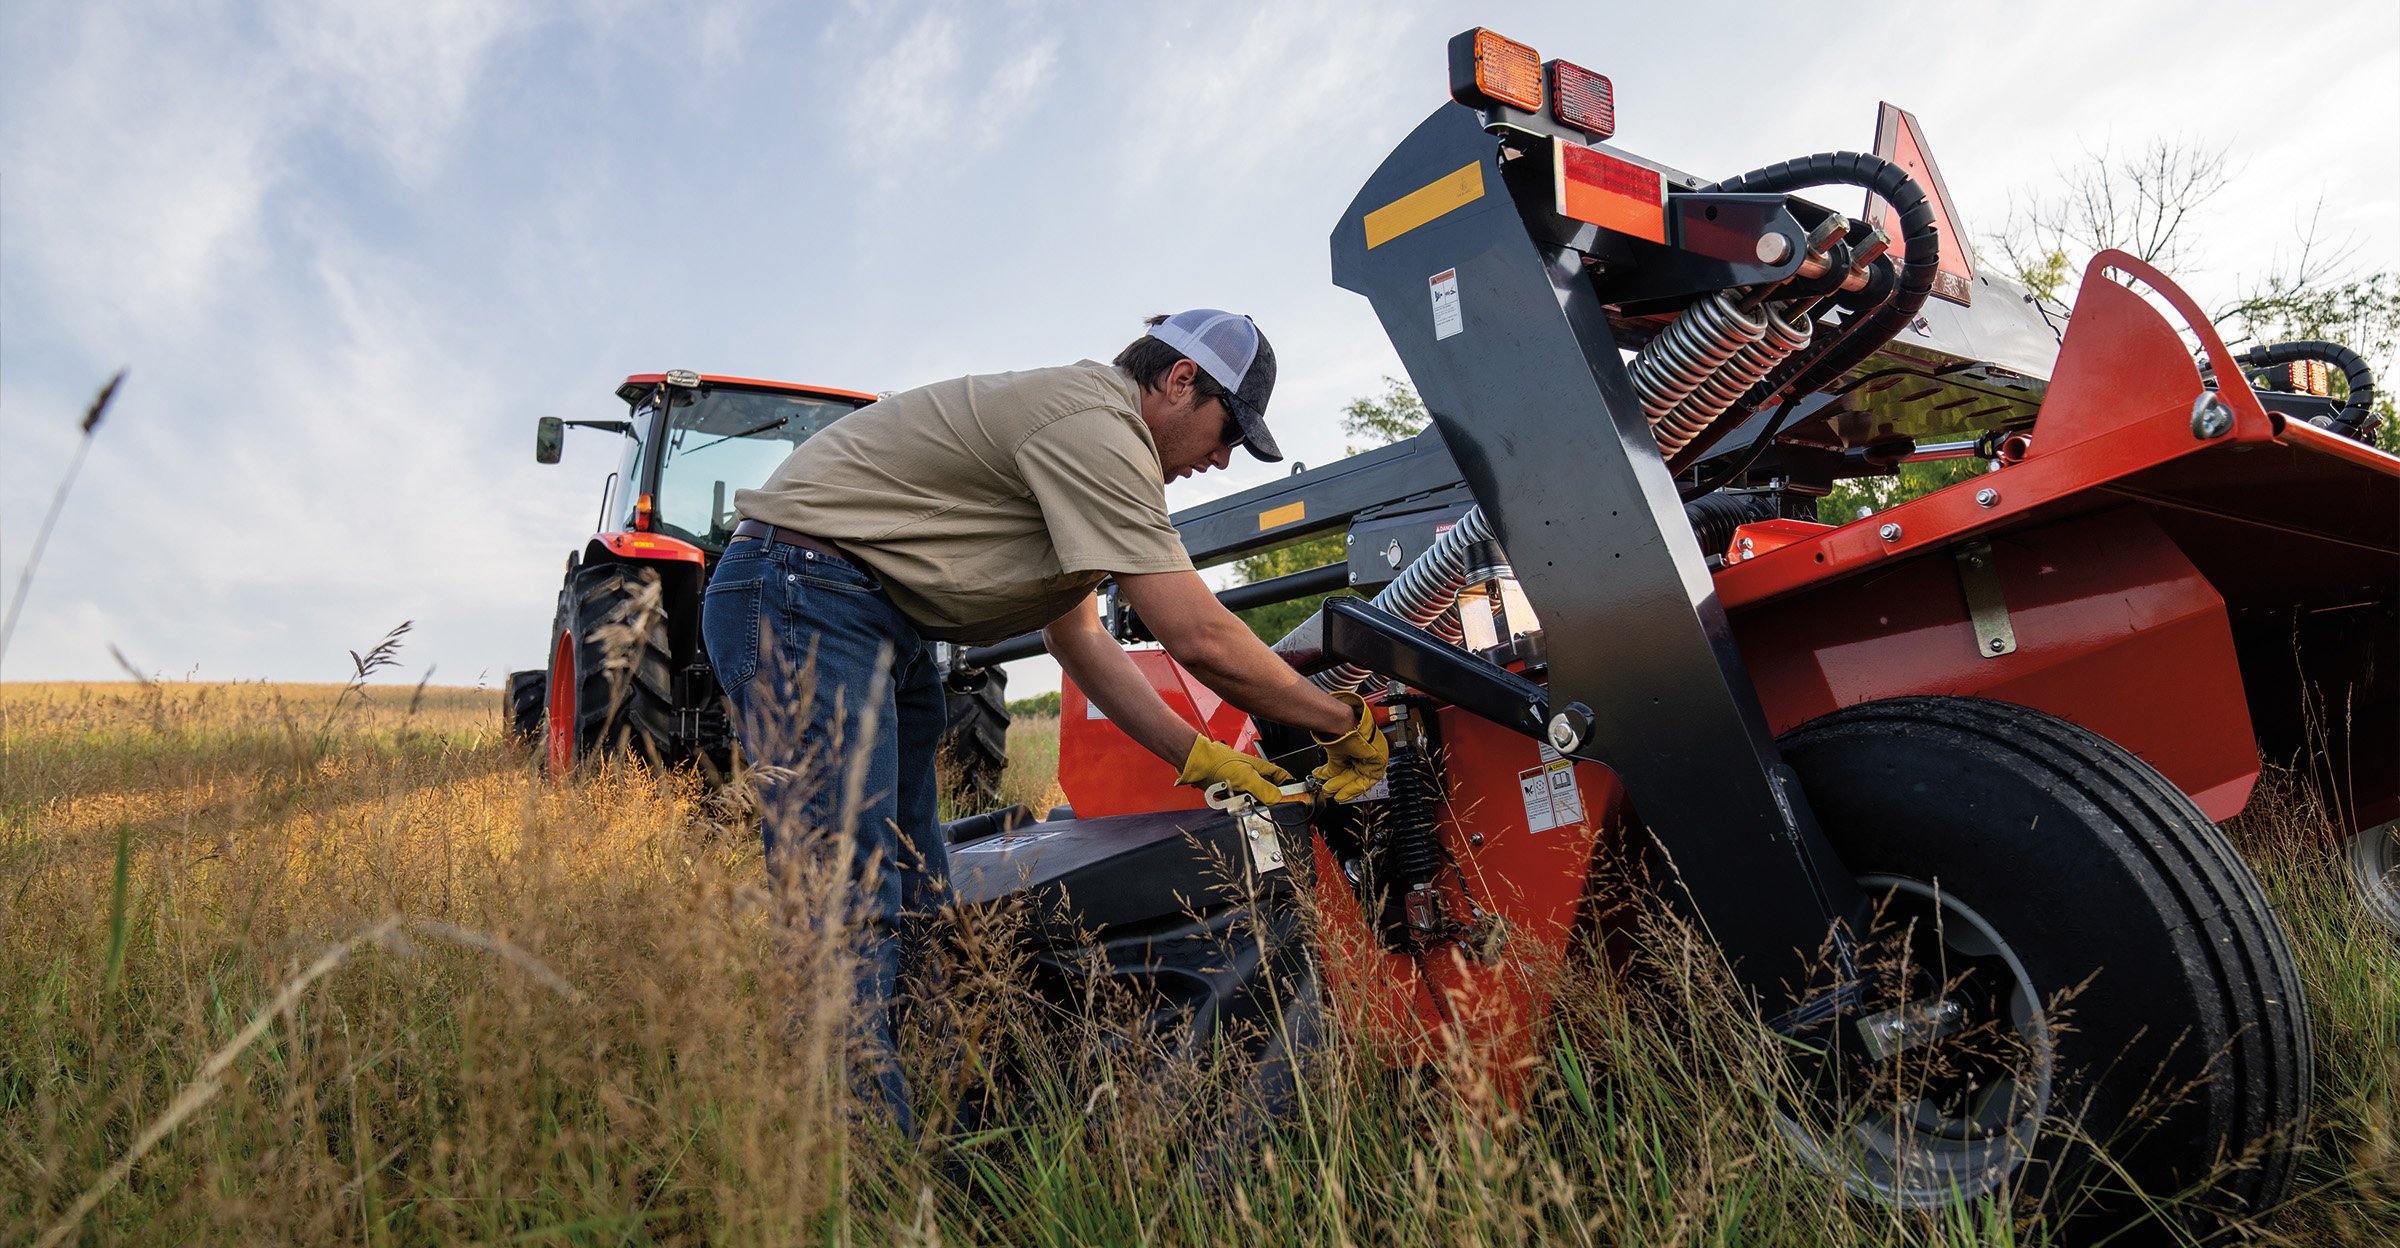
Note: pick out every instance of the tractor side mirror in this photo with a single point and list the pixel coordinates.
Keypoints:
(549, 437)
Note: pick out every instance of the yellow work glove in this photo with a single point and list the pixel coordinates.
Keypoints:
(1354, 760)
(1214, 762)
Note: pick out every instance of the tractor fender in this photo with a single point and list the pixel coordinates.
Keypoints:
(682, 574)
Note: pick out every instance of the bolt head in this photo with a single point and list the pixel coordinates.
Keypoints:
(1987, 497)
(1999, 644)
(1889, 532)
(1563, 736)
(2210, 417)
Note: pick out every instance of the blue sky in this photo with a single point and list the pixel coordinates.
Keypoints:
(351, 251)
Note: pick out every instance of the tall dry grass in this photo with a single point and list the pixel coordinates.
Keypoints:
(284, 965)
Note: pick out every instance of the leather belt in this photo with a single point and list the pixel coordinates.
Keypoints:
(766, 532)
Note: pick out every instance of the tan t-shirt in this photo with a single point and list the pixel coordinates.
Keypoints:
(989, 505)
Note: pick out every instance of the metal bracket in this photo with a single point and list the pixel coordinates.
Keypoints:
(1266, 849)
(1987, 604)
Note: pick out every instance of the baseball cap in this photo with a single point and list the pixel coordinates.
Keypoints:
(1229, 348)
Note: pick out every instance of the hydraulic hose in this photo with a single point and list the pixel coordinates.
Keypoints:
(1715, 517)
(2357, 414)
(1426, 592)
(1919, 236)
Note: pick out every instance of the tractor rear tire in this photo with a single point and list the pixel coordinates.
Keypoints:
(974, 750)
(612, 678)
(521, 706)
(2164, 1076)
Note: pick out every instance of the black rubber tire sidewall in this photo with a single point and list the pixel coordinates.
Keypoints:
(632, 711)
(2093, 869)
(523, 703)
(974, 743)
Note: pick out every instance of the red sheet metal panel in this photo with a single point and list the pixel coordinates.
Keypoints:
(2115, 630)
(1104, 772)
(1520, 825)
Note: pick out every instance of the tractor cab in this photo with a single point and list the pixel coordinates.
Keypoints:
(692, 441)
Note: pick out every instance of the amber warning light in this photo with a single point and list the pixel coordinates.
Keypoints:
(1488, 70)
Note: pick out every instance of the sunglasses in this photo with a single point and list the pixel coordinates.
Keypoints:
(1233, 435)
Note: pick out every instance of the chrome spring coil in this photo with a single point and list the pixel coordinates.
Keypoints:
(1786, 332)
(1425, 593)
(1690, 350)
(1680, 396)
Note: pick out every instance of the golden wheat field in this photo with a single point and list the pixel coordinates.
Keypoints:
(301, 964)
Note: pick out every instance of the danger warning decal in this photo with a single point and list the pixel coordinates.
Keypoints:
(1552, 798)
(1448, 319)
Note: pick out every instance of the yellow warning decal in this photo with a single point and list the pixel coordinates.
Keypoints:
(1424, 204)
(1282, 515)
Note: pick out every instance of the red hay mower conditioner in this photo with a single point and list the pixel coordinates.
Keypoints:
(1940, 782)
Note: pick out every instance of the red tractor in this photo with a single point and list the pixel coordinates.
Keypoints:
(1941, 783)
(627, 670)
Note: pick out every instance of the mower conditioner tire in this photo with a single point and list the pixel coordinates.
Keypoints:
(612, 681)
(2174, 1066)
(2373, 857)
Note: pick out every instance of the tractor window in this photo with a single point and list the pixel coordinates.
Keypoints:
(616, 511)
(719, 441)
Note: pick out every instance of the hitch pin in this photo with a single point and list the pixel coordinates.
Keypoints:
(1812, 264)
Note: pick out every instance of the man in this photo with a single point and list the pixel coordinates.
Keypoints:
(969, 511)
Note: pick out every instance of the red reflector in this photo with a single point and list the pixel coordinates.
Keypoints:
(1898, 140)
(1610, 192)
(1583, 99)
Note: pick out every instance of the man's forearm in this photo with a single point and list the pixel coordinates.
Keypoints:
(1245, 672)
(1106, 675)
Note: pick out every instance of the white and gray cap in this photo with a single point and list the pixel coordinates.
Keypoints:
(1228, 347)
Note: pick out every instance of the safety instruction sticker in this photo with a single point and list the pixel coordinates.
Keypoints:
(1552, 799)
(1447, 318)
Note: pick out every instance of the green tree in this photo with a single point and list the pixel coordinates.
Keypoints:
(1392, 416)
(1036, 706)
(2316, 295)
(2150, 203)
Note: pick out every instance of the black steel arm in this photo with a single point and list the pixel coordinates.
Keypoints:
(1357, 632)
(1509, 344)
(1322, 580)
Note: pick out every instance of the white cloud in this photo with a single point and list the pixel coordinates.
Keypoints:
(351, 251)
(934, 87)
(397, 79)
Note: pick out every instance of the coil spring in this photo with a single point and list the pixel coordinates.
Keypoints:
(1690, 351)
(1708, 358)
(1408, 818)
(1425, 593)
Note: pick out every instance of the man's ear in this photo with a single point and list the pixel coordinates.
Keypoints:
(1180, 382)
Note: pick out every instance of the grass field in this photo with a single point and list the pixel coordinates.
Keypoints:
(279, 964)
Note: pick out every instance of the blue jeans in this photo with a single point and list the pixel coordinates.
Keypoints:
(839, 711)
